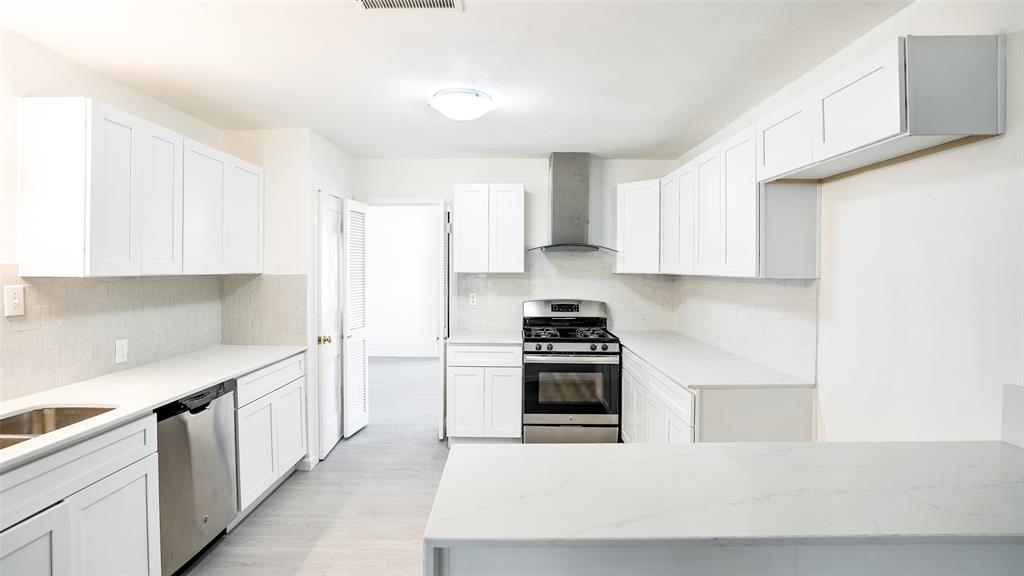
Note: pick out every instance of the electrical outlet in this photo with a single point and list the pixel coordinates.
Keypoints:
(121, 351)
(472, 298)
(14, 300)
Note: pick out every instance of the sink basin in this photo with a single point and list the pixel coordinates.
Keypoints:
(6, 441)
(46, 419)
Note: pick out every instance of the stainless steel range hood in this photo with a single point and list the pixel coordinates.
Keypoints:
(569, 183)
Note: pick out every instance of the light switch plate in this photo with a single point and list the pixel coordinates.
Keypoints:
(121, 351)
(14, 300)
(472, 298)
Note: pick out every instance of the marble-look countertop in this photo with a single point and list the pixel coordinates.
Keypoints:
(696, 364)
(486, 337)
(590, 494)
(134, 392)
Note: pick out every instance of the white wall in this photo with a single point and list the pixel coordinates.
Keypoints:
(28, 69)
(402, 264)
(922, 290)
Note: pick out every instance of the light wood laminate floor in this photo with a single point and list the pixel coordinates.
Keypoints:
(362, 511)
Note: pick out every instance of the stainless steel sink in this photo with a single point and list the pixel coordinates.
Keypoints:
(31, 423)
(6, 441)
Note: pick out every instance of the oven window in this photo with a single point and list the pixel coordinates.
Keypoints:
(571, 388)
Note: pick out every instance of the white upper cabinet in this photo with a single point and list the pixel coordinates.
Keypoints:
(506, 228)
(223, 213)
(861, 105)
(739, 206)
(104, 193)
(913, 93)
(707, 169)
(638, 227)
(161, 204)
(784, 139)
(489, 228)
(206, 173)
(243, 218)
(677, 203)
(82, 168)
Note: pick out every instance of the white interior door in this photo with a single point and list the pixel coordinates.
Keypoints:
(356, 380)
(329, 331)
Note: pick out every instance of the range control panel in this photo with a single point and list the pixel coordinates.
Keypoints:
(565, 307)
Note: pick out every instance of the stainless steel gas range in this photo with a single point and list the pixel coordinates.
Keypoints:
(571, 373)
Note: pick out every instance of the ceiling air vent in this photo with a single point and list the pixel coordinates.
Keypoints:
(455, 5)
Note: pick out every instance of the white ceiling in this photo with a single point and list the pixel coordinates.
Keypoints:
(628, 79)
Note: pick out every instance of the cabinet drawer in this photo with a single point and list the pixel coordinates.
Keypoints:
(266, 380)
(485, 356)
(30, 488)
(676, 398)
(636, 367)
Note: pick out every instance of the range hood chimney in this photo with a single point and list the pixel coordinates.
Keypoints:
(569, 183)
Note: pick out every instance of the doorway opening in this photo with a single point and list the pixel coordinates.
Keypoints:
(407, 302)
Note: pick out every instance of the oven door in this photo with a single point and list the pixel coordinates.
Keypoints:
(570, 389)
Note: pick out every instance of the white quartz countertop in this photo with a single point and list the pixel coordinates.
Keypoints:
(696, 364)
(135, 392)
(642, 493)
(485, 337)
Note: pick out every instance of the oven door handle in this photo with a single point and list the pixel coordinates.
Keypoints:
(567, 359)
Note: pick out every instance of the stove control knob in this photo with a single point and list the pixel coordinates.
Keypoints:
(537, 347)
(551, 347)
(593, 346)
(604, 346)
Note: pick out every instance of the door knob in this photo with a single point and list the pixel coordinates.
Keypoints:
(323, 339)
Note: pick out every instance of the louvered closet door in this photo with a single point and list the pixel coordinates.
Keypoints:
(356, 383)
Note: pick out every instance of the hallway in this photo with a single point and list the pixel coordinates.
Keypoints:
(362, 511)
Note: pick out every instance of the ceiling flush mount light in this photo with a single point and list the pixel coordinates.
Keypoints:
(462, 103)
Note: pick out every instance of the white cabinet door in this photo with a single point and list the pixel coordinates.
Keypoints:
(641, 420)
(670, 225)
(160, 200)
(290, 424)
(678, 431)
(114, 221)
(708, 213)
(243, 218)
(506, 228)
(257, 450)
(205, 176)
(466, 401)
(863, 104)
(687, 218)
(784, 139)
(638, 227)
(739, 206)
(116, 523)
(503, 402)
(470, 228)
(657, 422)
(40, 545)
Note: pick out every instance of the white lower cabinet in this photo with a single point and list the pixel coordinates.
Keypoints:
(116, 523)
(655, 410)
(484, 401)
(39, 546)
(101, 517)
(271, 434)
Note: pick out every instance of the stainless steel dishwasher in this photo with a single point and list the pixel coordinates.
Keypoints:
(196, 454)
